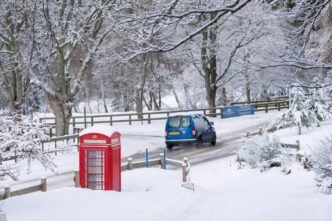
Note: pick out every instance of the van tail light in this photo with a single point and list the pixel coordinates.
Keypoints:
(193, 132)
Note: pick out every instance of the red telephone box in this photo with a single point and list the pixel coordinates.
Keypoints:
(100, 158)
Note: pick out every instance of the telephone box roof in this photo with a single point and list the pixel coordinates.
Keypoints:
(100, 129)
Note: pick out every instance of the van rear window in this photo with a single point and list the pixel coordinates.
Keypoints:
(178, 122)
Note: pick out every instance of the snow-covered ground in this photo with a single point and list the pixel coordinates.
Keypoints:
(222, 192)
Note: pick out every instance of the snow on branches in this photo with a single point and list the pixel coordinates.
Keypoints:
(20, 138)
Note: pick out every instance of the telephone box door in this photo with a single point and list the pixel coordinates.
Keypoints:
(95, 169)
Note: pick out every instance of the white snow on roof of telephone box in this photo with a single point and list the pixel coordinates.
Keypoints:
(100, 129)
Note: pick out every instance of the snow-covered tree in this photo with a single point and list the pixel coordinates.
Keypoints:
(20, 137)
(308, 107)
(321, 160)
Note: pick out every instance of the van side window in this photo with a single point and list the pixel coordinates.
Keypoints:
(206, 123)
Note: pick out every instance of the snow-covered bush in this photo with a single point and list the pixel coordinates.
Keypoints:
(262, 152)
(306, 109)
(21, 137)
(322, 162)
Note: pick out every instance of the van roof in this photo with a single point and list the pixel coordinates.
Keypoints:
(189, 115)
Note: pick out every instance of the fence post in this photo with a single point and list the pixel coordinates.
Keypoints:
(7, 192)
(55, 147)
(165, 161)
(43, 184)
(184, 177)
(111, 120)
(130, 163)
(15, 155)
(84, 113)
(3, 216)
(266, 107)
(149, 118)
(278, 106)
(260, 130)
(298, 145)
(77, 179)
(299, 128)
(50, 132)
(162, 164)
(92, 121)
(146, 158)
(129, 119)
(74, 125)
(184, 169)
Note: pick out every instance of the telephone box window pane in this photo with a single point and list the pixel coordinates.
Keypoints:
(95, 162)
(95, 178)
(95, 154)
(95, 186)
(95, 170)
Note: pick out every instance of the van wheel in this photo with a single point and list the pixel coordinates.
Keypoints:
(169, 146)
(214, 141)
(199, 141)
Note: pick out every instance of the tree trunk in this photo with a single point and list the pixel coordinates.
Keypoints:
(126, 105)
(62, 114)
(139, 103)
(211, 99)
(176, 98)
(12, 90)
(87, 93)
(209, 65)
(223, 97)
(248, 96)
(103, 95)
(248, 91)
(140, 92)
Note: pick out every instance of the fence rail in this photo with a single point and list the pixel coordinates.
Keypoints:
(110, 119)
(149, 116)
(40, 187)
(259, 132)
(126, 166)
(55, 149)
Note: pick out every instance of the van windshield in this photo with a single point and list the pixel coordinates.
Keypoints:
(178, 122)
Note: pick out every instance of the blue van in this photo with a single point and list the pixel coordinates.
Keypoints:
(189, 129)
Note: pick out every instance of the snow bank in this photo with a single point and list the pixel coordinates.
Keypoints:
(222, 192)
